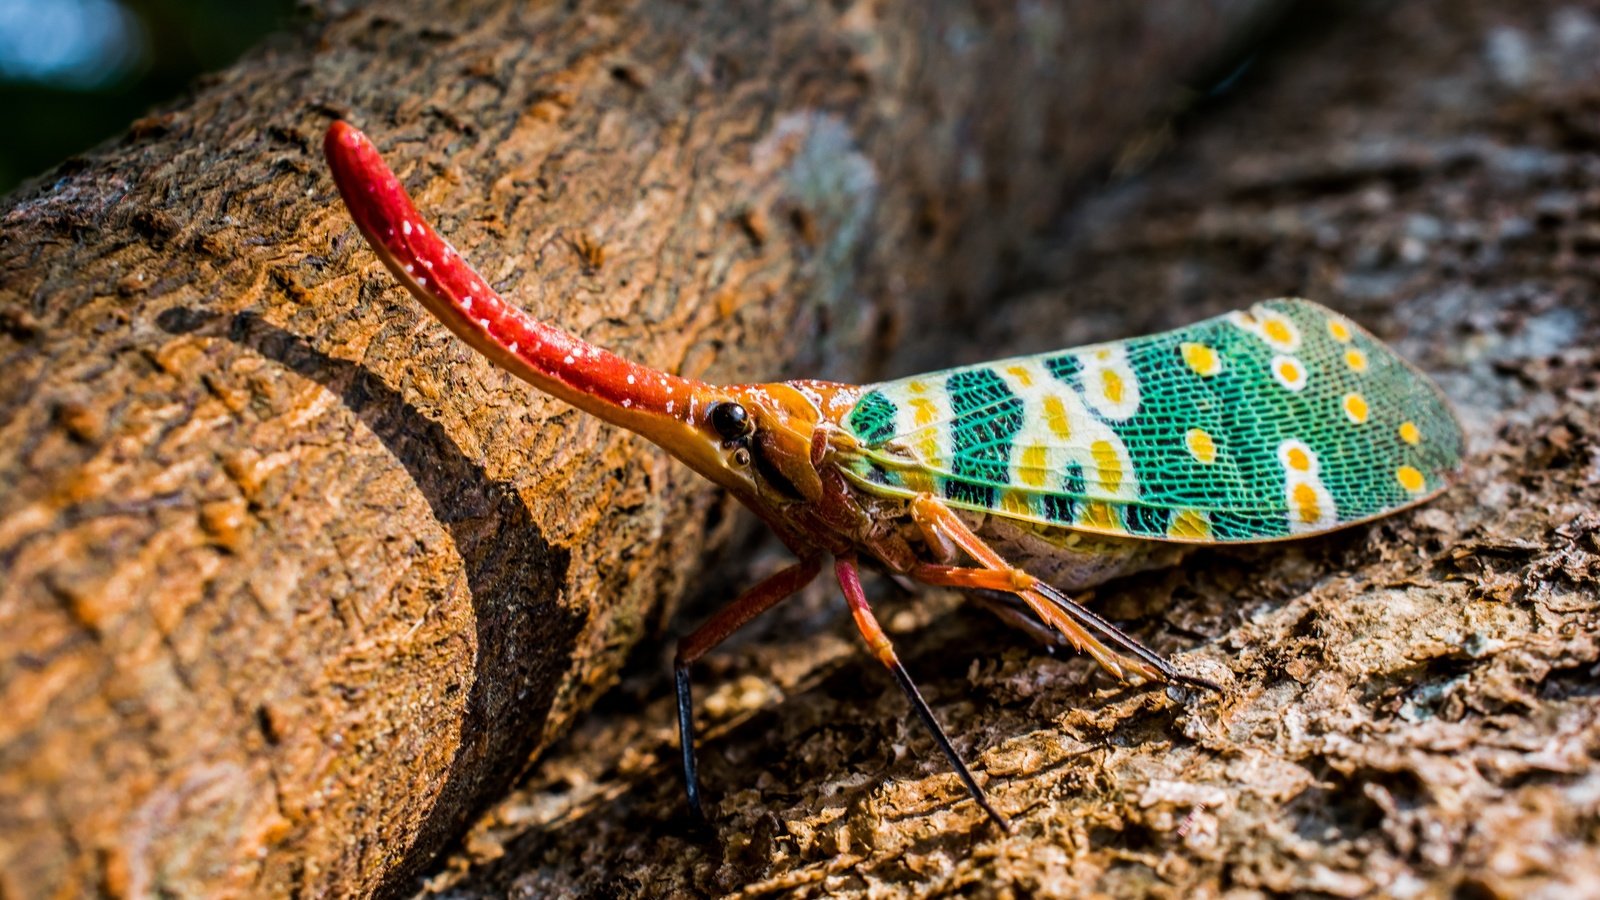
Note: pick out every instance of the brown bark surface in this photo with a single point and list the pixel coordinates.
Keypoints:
(293, 582)
(1412, 707)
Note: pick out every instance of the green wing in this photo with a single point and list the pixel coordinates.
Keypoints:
(1282, 420)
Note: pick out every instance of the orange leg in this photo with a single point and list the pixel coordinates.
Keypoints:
(756, 600)
(878, 643)
(1008, 580)
(1016, 615)
(1086, 630)
(1027, 587)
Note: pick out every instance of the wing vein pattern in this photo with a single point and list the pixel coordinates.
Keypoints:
(1281, 420)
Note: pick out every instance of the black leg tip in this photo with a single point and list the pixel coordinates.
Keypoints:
(696, 828)
(1000, 821)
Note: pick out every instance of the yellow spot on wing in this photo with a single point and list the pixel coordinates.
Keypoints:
(1410, 433)
(1355, 406)
(917, 387)
(1410, 479)
(1299, 459)
(1100, 516)
(1055, 416)
(914, 480)
(926, 411)
(1295, 456)
(1189, 523)
(928, 449)
(1032, 470)
(1021, 374)
(1305, 503)
(1200, 358)
(1111, 383)
(1278, 331)
(1016, 503)
(1107, 464)
(1356, 360)
(1288, 373)
(1201, 446)
(1339, 330)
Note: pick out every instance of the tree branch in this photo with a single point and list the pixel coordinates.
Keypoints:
(294, 582)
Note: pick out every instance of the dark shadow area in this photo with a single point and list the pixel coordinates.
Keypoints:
(76, 72)
(525, 637)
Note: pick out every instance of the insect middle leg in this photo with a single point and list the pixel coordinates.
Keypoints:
(1089, 632)
(878, 642)
(756, 600)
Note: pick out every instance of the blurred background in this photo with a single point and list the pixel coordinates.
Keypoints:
(75, 72)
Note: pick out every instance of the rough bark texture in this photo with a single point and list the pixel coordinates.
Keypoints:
(294, 583)
(1412, 706)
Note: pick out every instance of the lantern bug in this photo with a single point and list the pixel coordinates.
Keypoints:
(1036, 476)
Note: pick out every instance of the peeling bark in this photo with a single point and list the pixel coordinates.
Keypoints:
(1413, 707)
(294, 583)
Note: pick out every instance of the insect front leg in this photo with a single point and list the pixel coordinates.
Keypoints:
(878, 642)
(757, 599)
(1086, 630)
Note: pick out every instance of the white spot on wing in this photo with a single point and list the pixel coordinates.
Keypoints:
(1108, 382)
(1291, 451)
(1289, 372)
(933, 442)
(1309, 504)
(1032, 383)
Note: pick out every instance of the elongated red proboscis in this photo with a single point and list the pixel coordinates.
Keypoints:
(656, 404)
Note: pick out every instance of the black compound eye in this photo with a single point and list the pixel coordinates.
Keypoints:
(730, 420)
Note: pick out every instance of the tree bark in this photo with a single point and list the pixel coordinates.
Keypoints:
(294, 583)
(1411, 706)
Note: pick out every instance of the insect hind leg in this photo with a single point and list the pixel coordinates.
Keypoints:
(1124, 642)
(1010, 609)
(1111, 647)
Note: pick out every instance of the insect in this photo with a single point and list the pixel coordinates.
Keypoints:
(1035, 477)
